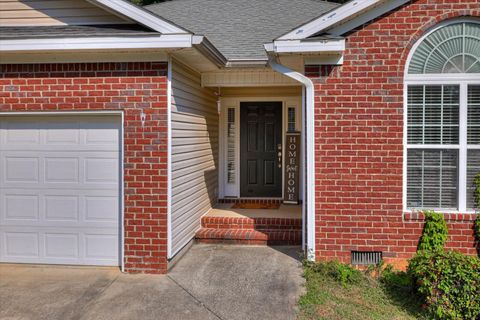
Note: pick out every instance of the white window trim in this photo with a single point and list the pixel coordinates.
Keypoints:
(462, 80)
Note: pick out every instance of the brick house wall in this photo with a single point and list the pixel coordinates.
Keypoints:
(131, 87)
(359, 139)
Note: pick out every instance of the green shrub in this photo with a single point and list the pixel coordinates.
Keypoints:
(477, 233)
(476, 191)
(336, 270)
(449, 283)
(434, 233)
(398, 279)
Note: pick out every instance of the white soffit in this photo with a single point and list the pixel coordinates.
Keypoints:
(246, 78)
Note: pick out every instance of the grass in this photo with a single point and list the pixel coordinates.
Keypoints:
(336, 291)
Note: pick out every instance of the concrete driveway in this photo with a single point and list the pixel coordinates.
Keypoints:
(210, 282)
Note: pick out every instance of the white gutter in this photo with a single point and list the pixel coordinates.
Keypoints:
(311, 46)
(308, 206)
(97, 43)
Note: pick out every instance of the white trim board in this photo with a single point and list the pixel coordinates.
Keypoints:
(169, 159)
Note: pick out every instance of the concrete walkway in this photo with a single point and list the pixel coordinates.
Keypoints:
(210, 282)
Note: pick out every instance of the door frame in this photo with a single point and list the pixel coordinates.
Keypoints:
(277, 108)
(121, 115)
(232, 190)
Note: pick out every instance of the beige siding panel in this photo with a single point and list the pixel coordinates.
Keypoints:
(190, 148)
(262, 92)
(194, 153)
(53, 12)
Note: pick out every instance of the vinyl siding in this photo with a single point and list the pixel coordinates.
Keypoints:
(53, 12)
(194, 153)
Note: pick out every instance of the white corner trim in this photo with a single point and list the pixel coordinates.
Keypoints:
(318, 46)
(169, 159)
(139, 15)
(97, 43)
(309, 133)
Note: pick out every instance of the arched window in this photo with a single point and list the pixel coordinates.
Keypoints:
(442, 118)
(452, 49)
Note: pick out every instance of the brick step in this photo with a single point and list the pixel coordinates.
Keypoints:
(258, 224)
(249, 236)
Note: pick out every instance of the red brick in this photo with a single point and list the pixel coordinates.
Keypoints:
(359, 138)
(65, 87)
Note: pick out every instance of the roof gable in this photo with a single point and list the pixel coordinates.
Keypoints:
(239, 28)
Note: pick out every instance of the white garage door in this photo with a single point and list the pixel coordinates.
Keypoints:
(59, 189)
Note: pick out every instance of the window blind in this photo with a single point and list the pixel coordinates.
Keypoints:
(231, 145)
(433, 114)
(432, 179)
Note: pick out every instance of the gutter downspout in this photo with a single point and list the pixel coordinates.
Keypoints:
(308, 125)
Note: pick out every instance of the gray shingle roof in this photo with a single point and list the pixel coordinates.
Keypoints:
(239, 28)
(74, 31)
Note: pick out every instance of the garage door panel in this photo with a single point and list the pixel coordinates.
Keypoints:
(19, 133)
(81, 208)
(61, 208)
(101, 246)
(21, 207)
(62, 245)
(97, 246)
(60, 190)
(101, 209)
(21, 244)
(74, 169)
(87, 134)
(21, 169)
(101, 170)
(61, 169)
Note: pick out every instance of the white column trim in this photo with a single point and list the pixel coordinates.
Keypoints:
(169, 158)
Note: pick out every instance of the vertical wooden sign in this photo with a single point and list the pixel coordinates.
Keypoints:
(292, 168)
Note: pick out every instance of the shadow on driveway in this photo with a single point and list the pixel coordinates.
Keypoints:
(209, 282)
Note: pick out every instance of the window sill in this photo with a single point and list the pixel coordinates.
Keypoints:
(449, 216)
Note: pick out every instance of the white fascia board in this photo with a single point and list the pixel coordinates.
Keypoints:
(329, 19)
(139, 15)
(297, 46)
(94, 43)
(371, 14)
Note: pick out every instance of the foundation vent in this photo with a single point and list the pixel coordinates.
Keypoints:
(364, 258)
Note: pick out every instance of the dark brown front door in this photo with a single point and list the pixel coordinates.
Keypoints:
(260, 145)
